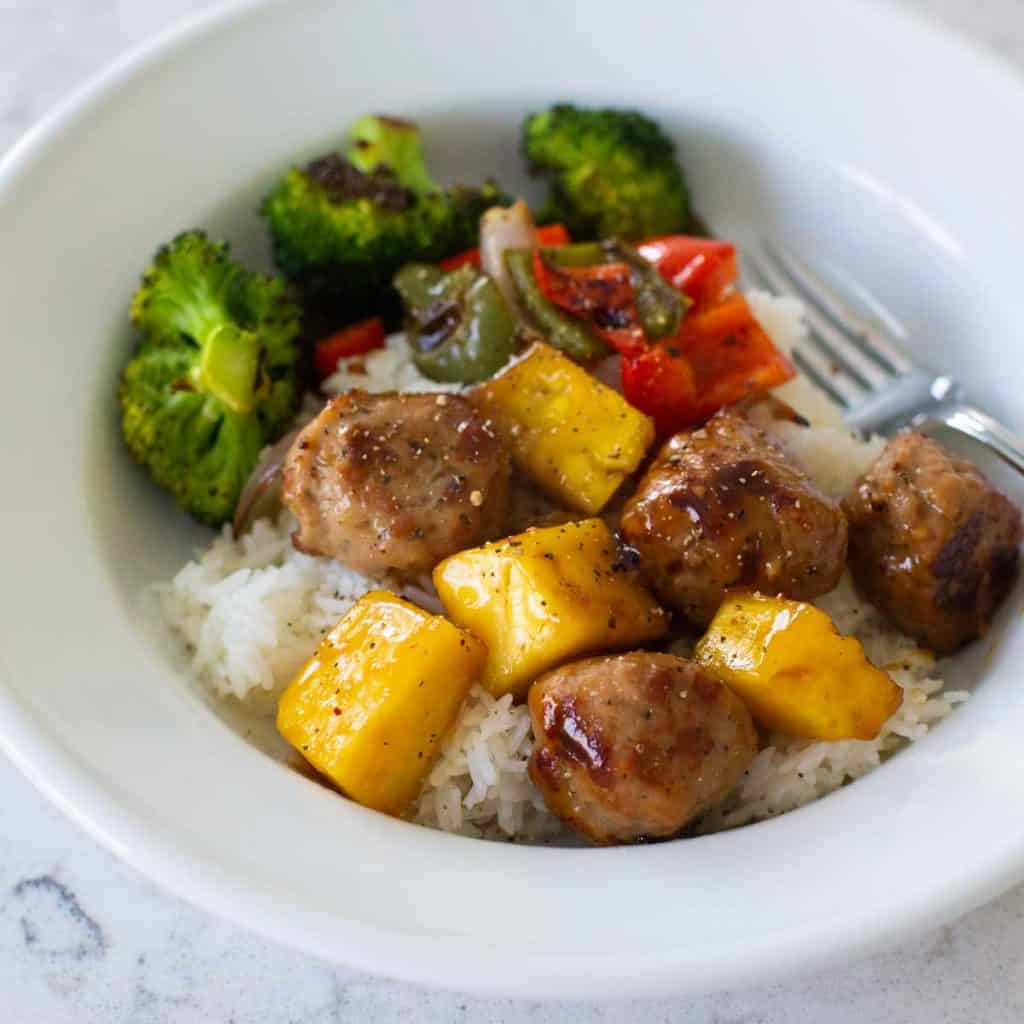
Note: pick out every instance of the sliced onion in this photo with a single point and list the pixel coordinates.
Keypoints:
(261, 495)
(421, 592)
(504, 228)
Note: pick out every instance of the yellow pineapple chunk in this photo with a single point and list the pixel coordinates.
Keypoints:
(370, 708)
(546, 596)
(574, 436)
(796, 672)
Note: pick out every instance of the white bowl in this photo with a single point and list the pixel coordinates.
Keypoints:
(852, 129)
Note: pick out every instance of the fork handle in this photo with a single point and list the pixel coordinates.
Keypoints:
(974, 423)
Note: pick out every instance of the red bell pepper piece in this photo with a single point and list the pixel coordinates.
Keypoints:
(353, 340)
(730, 353)
(548, 235)
(659, 381)
(720, 355)
(551, 235)
(701, 268)
(460, 259)
(602, 295)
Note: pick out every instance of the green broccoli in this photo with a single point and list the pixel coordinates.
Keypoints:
(343, 225)
(612, 173)
(213, 379)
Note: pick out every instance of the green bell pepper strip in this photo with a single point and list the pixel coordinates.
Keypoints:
(661, 307)
(559, 330)
(459, 326)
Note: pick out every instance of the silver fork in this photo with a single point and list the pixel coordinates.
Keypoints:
(861, 366)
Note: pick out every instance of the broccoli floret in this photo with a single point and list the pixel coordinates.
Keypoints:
(612, 173)
(213, 379)
(344, 224)
(376, 143)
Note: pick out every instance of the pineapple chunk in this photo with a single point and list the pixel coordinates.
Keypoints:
(543, 597)
(575, 437)
(795, 671)
(369, 709)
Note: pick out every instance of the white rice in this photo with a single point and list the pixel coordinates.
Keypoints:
(251, 611)
(388, 369)
(479, 785)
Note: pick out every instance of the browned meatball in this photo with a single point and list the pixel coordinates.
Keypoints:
(724, 507)
(396, 482)
(636, 745)
(932, 543)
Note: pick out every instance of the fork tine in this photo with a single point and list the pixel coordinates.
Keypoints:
(821, 376)
(826, 364)
(836, 344)
(868, 338)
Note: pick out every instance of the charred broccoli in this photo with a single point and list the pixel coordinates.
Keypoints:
(344, 224)
(612, 173)
(213, 379)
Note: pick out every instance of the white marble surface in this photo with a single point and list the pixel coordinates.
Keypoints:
(84, 939)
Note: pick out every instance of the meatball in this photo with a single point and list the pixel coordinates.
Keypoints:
(932, 543)
(396, 482)
(634, 746)
(724, 507)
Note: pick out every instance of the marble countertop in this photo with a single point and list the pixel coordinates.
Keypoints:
(83, 938)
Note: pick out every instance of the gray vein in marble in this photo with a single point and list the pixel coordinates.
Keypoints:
(53, 922)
